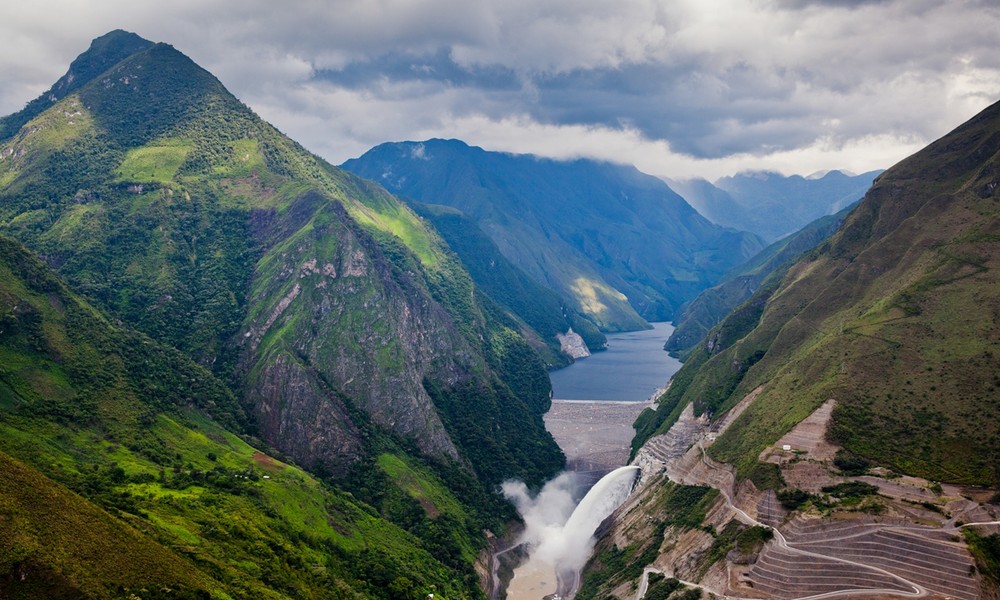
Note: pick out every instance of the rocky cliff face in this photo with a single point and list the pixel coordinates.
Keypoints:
(329, 305)
(336, 322)
(572, 344)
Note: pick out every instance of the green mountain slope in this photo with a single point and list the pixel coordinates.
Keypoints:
(124, 479)
(538, 306)
(895, 317)
(617, 245)
(104, 53)
(320, 297)
(47, 530)
(696, 318)
(322, 316)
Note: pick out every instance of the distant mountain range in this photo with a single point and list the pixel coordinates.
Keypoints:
(617, 245)
(770, 204)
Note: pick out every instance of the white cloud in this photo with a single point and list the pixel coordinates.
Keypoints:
(522, 135)
(688, 87)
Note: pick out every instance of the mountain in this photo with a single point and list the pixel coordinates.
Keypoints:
(353, 340)
(104, 53)
(770, 204)
(617, 245)
(546, 316)
(696, 318)
(838, 432)
(893, 316)
(122, 473)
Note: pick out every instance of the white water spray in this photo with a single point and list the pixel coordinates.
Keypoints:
(561, 541)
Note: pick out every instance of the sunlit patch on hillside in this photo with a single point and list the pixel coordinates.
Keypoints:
(242, 158)
(591, 295)
(156, 162)
(51, 131)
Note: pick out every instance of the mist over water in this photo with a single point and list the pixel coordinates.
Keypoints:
(559, 525)
(631, 369)
(545, 514)
(560, 531)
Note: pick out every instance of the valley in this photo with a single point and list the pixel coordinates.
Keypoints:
(231, 369)
(594, 435)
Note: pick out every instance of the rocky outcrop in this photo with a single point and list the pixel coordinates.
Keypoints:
(336, 322)
(301, 415)
(572, 344)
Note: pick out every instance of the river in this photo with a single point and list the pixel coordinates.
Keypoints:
(631, 369)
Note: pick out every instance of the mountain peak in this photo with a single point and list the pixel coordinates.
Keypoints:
(135, 88)
(153, 91)
(104, 52)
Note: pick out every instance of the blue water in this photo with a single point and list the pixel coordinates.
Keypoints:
(631, 369)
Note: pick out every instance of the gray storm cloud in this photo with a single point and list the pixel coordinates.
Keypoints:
(799, 81)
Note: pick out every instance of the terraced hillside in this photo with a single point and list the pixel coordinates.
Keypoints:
(846, 413)
(892, 555)
(848, 535)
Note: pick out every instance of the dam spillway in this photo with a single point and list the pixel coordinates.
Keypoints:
(558, 551)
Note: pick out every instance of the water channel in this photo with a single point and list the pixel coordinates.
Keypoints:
(595, 401)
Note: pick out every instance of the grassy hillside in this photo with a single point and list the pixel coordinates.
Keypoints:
(168, 203)
(125, 481)
(711, 306)
(55, 544)
(277, 297)
(895, 317)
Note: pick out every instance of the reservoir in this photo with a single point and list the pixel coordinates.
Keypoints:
(630, 370)
(595, 401)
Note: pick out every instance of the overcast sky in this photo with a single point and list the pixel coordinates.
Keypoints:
(679, 88)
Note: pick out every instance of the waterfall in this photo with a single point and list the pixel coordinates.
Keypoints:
(560, 550)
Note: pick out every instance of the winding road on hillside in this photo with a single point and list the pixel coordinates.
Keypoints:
(916, 590)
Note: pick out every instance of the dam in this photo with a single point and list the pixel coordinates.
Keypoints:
(595, 403)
